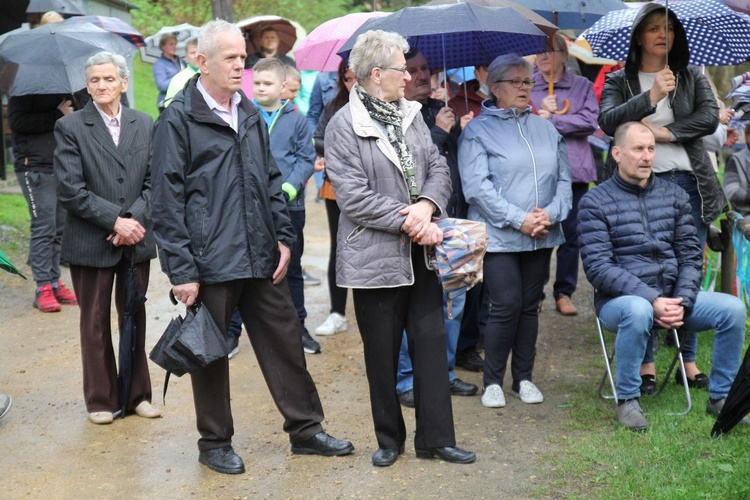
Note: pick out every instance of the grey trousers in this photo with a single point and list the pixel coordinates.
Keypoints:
(47, 221)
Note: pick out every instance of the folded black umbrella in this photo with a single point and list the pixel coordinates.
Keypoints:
(737, 404)
(132, 300)
(189, 343)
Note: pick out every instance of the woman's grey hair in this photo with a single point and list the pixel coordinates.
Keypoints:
(108, 57)
(208, 38)
(375, 49)
(504, 63)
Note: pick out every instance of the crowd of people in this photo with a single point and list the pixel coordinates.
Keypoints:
(222, 197)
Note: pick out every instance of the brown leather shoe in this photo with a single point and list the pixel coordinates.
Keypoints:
(565, 306)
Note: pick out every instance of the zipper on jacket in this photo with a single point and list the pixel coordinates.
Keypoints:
(644, 218)
(202, 233)
(533, 162)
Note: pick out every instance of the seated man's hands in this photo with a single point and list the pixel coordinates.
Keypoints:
(668, 312)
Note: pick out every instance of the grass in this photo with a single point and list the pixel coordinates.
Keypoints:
(675, 458)
(144, 87)
(14, 226)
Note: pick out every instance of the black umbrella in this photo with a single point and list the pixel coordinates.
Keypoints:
(52, 59)
(64, 7)
(132, 300)
(459, 34)
(189, 343)
(737, 404)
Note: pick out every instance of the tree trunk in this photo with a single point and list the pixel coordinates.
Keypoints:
(223, 9)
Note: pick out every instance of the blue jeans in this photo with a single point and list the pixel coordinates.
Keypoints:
(632, 318)
(405, 376)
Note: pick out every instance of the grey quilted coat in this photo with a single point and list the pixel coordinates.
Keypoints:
(370, 190)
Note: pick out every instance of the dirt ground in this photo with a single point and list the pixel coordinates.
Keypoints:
(49, 449)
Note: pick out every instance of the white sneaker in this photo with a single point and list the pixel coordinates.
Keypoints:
(528, 393)
(335, 323)
(493, 396)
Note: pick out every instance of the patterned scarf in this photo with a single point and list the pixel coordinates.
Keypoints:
(389, 114)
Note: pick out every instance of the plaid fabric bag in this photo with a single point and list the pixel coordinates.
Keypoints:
(458, 260)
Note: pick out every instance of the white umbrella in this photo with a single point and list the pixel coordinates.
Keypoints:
(151, 52)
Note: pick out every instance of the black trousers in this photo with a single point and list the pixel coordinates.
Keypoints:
(382, 316)
(515, 284)
(273, 327)
(336, 293)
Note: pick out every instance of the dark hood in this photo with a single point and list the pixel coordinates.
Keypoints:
(679, 56)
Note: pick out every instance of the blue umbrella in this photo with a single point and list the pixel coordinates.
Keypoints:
(717, 35)
(573, 14)
(457, 35)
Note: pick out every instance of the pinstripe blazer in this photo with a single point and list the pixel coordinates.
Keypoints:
(98, 182)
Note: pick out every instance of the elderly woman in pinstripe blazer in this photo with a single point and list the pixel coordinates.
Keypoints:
(101, 165)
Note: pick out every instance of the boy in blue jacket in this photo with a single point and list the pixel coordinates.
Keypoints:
(292, 148)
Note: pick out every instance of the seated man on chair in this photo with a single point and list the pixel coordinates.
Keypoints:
(640, 251)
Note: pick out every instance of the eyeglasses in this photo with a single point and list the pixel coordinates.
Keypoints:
(518, 83)
(401, 70)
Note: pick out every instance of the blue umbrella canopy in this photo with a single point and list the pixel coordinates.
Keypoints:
(717, 35)
(573, 14)
(457, 35)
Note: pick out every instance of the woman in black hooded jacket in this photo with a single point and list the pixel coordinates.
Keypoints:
(659, 88)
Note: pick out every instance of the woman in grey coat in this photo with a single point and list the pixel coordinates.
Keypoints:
(390, 183)
(516, 179)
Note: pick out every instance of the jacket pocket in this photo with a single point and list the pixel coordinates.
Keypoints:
(355, 234)
(202, 227)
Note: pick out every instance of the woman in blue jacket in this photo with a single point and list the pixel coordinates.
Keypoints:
(516, 179)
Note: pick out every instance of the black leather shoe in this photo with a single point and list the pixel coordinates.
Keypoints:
(699, 382)
(449, 454)
(323, 444)
(407, 398)
(470, 360)
(648, 384)
(223, 460)
(461, 388)
(385, 457)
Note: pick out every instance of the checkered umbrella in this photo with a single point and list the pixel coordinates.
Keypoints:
(717, 35)
(460, 34)
(113, 25)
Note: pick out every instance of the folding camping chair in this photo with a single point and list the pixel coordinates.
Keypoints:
(609, 356)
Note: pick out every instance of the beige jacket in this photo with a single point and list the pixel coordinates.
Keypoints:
(370, 190)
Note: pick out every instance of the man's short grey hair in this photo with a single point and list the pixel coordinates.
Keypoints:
(375, 49)
(108, 57)
(208, 38)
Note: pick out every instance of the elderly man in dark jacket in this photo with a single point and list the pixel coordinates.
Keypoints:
(224, 236)
(640, 252)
